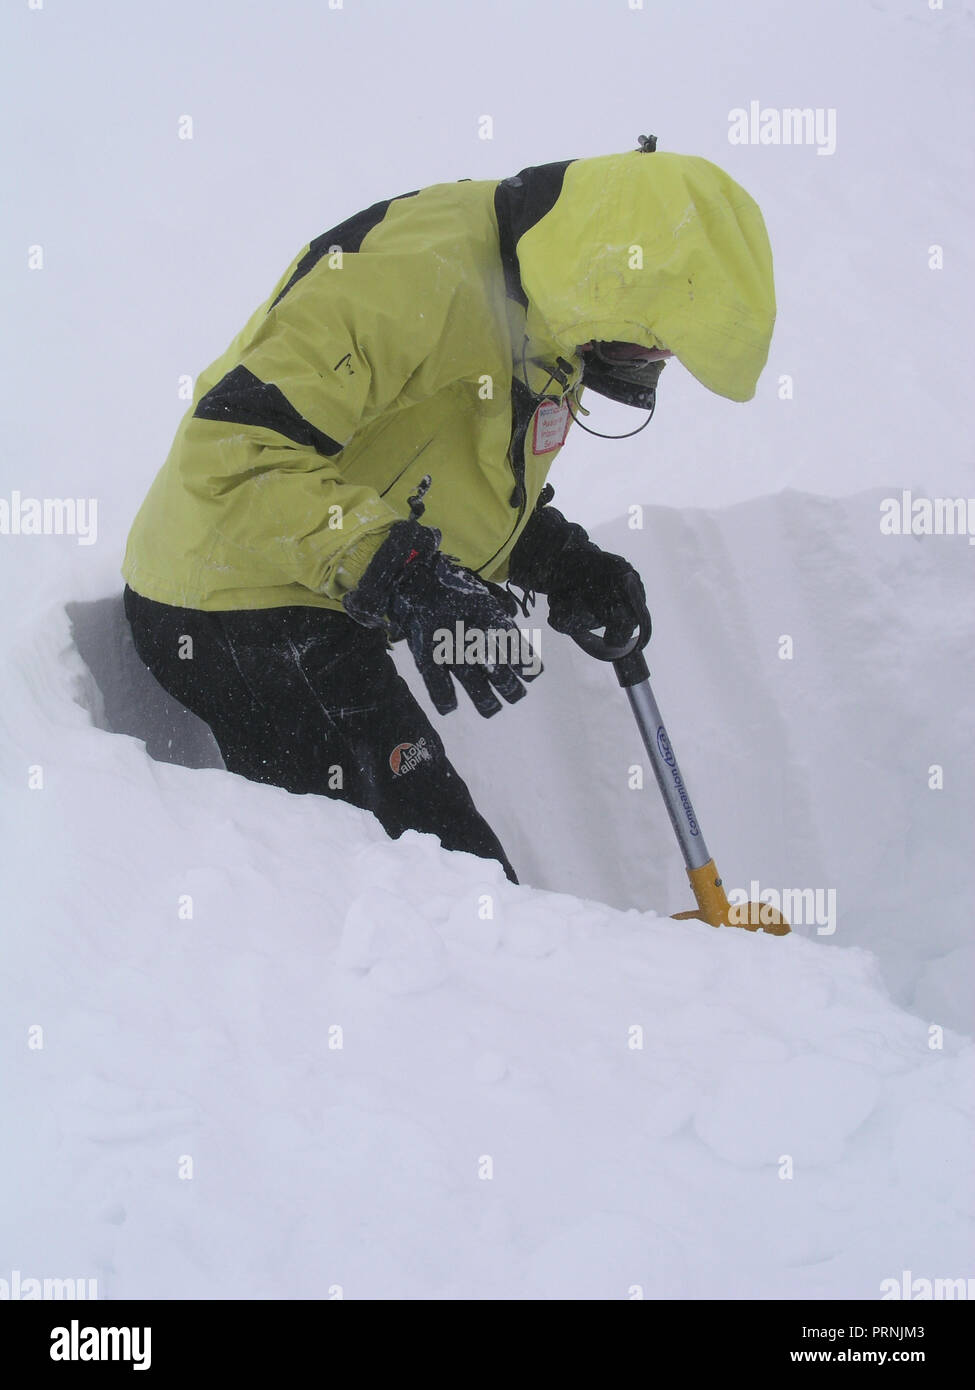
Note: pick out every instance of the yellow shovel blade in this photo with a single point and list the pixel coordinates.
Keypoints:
(714, 908)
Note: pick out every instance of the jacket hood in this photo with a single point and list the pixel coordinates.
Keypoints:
(664, 250)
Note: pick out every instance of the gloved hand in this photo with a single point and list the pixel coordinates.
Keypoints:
(586, 587)
(426, 597)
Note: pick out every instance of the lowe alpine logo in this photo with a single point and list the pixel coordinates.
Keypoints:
(406, 756)
(667, 753)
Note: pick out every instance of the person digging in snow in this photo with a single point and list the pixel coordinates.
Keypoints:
(367, 462)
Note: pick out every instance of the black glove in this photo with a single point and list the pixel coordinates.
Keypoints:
(586, 587)
(422, 595)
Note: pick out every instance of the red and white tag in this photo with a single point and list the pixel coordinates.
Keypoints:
(551, 426)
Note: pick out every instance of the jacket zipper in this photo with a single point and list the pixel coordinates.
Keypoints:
(516, 458)
(407, 466)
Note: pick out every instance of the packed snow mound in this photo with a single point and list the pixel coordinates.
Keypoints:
(255, 1049)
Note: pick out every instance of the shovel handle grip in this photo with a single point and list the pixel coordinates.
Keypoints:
(594, 645)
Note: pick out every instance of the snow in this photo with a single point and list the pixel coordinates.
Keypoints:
(283, 1056)
(809, 773)
(531, 1094)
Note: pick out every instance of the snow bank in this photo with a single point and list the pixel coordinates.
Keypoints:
(378, 1069)
(810, 772)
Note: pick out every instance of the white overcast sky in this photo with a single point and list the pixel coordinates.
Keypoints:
(157, 249)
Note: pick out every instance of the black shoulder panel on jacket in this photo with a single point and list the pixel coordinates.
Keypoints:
(519, 203)
(242, 399)
(348, 235)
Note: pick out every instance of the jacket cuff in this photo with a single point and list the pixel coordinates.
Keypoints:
(406, 541)
(541, 544)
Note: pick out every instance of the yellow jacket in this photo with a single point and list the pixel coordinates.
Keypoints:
(438, 333)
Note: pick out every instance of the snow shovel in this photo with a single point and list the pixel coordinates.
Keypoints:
(712, 902)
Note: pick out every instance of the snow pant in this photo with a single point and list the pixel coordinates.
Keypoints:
(309, 700)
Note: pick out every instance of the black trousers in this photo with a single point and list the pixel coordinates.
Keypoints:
(309, 700)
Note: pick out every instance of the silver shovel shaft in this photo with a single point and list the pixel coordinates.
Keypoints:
(633, 675)
(663, 760)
